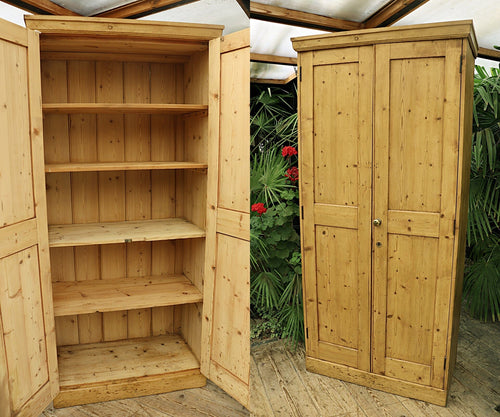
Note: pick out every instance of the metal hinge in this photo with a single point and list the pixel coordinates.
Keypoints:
(300, 73)
(307, 332)
(461, 62)
(454, 226)
(302, 212)
(444, 362)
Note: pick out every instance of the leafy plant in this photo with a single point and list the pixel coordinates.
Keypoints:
(276, 277)
(482, 276)
(273, 117)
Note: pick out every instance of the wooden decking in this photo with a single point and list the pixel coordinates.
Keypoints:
(200, 402)
(282, 387)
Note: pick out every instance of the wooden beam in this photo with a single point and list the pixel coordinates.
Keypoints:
(273, 59)
(392, 12)
(143, 8)
(41, 7)
(297, 18)
(489, 54)
(273, 81)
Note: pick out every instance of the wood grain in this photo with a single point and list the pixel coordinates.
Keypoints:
(122, 166)
(111, 108)
(120, 232)
(123, 294)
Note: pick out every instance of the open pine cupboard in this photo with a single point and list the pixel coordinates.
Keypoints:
(124, 225)
(385, 143)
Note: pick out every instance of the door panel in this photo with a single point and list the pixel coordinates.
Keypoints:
(336, 195)
(22, 320)
(415, 174)
(225, 358)
(27, 341)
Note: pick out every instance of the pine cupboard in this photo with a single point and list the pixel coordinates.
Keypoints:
(123, 186)
(385, 130)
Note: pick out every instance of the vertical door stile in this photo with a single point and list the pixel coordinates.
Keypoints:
(365, 151)
(36, 129)
(449, 202)
(306, 178)
(380, 192)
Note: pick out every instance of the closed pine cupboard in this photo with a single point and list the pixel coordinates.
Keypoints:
(123, 185)
(385, 128)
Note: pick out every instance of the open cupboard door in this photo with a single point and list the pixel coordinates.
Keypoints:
(28, 362)
(226, 325)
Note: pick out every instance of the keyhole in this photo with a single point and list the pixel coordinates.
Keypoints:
(379, 244)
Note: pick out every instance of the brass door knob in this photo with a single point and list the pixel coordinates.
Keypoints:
(377, 222)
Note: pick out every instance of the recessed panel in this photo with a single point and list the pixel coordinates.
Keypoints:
(416, 133)
(337, 285)
(16, 184)
(336, 133)
(411, 286)
(23, 324)
(231, 291)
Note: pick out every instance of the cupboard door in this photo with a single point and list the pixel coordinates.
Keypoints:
(335, 185)
(417, 92)
(28, 362)
(226, 356)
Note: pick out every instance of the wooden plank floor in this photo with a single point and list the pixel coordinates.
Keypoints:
(282, 387)
(199, 402)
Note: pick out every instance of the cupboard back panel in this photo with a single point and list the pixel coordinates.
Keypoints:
(123, 195)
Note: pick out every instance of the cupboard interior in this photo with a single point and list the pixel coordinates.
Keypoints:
(138, 170)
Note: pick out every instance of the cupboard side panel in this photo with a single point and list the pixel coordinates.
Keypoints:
(192, 194)
(465, 144)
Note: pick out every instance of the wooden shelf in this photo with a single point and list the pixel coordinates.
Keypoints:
(120, 232)
(82, 297)
(121, 166)
(110, 108)
(101, 371)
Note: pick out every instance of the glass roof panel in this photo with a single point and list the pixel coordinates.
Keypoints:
(217, 12)
(274, 38)
(89, 8)
(261, 71)
(12, 14)
(484, 13)
(355, 10)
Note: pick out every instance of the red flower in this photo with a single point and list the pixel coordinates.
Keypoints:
(259, 208)
(288, 151)
(292, 174)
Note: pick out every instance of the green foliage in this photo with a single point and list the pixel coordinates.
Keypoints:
(482, 277)
(276, 275)
(273, 117)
